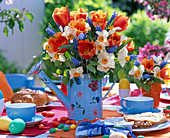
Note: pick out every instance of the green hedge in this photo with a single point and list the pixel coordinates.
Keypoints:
(143, 30)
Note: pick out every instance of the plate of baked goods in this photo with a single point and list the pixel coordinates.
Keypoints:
(41, 99)
(144, 122)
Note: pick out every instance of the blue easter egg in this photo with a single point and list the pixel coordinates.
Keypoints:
(17, 126)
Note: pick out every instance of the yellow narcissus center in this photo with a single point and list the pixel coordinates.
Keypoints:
(158, 74)
(56, 56)
(137, 73)
(104, 60)
(101, 38)
(76, 74)
(99, 47)
(127, 58)
(70, 36)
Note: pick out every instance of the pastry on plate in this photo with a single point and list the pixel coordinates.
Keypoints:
(145, 120)
(30, 96)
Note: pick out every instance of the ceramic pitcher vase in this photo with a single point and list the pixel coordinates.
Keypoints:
(85, 97)
(154, 92)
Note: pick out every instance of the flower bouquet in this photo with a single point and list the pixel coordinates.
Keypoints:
(87, 45)
(148, 76)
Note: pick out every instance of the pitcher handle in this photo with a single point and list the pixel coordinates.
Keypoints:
(121, 103)
(110, 88)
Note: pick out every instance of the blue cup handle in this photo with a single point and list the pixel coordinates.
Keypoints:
(121, 103)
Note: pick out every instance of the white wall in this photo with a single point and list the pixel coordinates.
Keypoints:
(22, 46)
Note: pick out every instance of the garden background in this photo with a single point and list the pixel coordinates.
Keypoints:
(17, 50)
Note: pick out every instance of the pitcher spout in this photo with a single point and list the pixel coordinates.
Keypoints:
(36, 69)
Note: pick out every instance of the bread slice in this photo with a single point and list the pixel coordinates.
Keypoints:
(147, 119)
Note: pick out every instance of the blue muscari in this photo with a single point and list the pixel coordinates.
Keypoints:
(75, 43)
(163, 64)
(136, 63)
(112, 49)
(111, 19)
(82, 36)
(75, 61)
(98, 28)
(89, 22)
(146, 76)
(133, 57)
(50, 31)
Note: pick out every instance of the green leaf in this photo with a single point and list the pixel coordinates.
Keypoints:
(77, 103)
(30, 16)
(138, 83)
(91, 68)
(14, 10)
(43, 41)
(65, 80)
(83, 112)
(68, 54)
(71, 83)
(157, 80)
(66, 46)
(146, 87)
(5, 31)
(93, 63)
(121, 74)
(46, 57)
(122, 45)
(21, 25)
(11, 23)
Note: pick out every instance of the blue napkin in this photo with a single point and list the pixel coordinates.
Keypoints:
(102, 128)
(1, 95)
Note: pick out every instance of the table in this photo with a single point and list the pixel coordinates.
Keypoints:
(114, 92)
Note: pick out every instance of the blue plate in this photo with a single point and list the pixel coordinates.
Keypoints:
(154, 110)
(143, 130)
(35, 120)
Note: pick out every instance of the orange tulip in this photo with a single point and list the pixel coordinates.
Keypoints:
(114, 39)
(148, 64)
(80, 13)
(121, 21)
(165, 72)
(61, 16)
(99, 18)
(56, 41)
(86, 49)
(80, 26)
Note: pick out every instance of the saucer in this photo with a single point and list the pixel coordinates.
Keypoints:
(154, 110)
(35, 120)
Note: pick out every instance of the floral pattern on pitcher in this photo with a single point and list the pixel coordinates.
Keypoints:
(95, 112)
(80, 94)
(94, 85)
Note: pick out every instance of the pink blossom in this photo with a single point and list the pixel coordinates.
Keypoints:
(163, 3)
(139, 1)
(145, 3)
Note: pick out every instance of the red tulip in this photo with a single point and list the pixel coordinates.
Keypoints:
(99, 18)
(61, 16)
(79, 25)
(114, 39)
(121, 21)
(80, 13)
(86, 49)
(56, 41)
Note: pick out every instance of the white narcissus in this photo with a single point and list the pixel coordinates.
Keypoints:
(113, 30)
(57, 56)
(70, 33)
(123, 57)
(76, 72)
(137, 71)
(157, 73)
(100, 46)
(102, 37)
(157, 59)
(106, 61)
(47, 47)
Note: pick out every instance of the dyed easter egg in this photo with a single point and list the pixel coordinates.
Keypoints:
(60, 126)
(73, 126)
(17, 126)
(117, 135)
(66, 129)
(124, 88)
(124, 84)
(52, 130)
(4, 123)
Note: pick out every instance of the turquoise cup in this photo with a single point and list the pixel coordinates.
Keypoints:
(137, 105)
